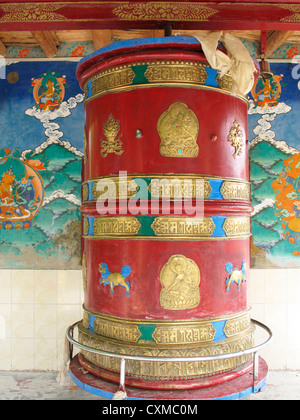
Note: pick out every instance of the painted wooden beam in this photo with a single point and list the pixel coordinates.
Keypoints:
(46, 41)
(275, 39)
(101, 38)
(2, 49)
(28, 15)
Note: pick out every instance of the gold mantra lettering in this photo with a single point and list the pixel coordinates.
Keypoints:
(235, 190)
(176, 71)
(178, 187)
(188, 332)
(183, 226)
(122, 331)
(183, 334)
(116, 226)
(121, 189)
(237, 226)
(225, 82)
(112, 78)
(237, 326)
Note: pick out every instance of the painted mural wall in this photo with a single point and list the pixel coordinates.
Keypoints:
(274, 135)
(41, 149)
(41, 125)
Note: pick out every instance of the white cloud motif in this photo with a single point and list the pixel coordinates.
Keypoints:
(268, 113)
(280, 108)
(262, 129)
(52, 128)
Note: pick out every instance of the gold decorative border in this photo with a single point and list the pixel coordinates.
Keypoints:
(181, 85)
(32, 12)
(159, 73)
(166, 370)
(167, 11)
(231, 189)
(167, 228)
(171, 332)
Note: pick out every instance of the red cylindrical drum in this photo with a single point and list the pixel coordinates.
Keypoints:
(166, 215)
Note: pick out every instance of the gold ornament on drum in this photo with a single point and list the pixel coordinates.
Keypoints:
(112, 144)
(180, 279)
(178, 128)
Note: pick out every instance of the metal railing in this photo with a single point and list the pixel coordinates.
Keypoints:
(252, 350)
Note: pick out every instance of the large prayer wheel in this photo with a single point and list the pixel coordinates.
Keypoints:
(161, 125)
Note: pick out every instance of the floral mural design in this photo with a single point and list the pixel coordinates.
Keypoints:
(287, 189)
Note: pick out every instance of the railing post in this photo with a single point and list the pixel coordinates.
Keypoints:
(255, 368)
(121, 393)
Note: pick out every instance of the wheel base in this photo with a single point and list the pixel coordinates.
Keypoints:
(231, 390)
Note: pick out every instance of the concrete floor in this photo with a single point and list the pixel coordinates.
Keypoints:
(281, 385)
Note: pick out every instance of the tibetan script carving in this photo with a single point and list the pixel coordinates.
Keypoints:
(184, 334)
(225, 82)
(116, 226)
(237, 226)
(112, 78)
(232, 190)
(183, 226)
(237, 325)
(179, 187)
(176, 72)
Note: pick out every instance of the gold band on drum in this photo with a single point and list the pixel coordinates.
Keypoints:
(167, 227)
(178, 332)
(166, 370)
(168, 186)
(182, 73)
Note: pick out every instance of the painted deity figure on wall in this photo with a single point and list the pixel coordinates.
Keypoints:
(266, 92)
(48, 91)
(21, 193)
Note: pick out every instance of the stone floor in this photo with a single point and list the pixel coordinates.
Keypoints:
(281, 385)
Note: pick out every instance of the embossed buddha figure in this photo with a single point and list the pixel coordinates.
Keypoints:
(180, 279)
(178, 128)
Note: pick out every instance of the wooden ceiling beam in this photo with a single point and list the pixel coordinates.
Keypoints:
(47, 42)
(2, 49)
(275, 39)
(101, 38)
